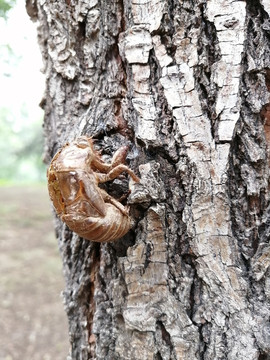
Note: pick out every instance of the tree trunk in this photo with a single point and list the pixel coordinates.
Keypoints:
(186, 85)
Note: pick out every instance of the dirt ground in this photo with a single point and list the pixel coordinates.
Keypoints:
(33, 323)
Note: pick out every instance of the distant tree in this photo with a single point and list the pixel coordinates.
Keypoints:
(20, 149)
(5, 6)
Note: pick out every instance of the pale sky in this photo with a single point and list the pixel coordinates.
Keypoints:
(25, 84)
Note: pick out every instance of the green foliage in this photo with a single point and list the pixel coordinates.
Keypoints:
(8, 59)
(21, 140)
(21, 146)
(5, 6)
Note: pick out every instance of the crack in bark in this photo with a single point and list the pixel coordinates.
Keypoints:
(166, 29)
(203, 344)
(242, 151)
(165, 342)
(208, 54)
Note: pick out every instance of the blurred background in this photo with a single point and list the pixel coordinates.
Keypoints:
(33, 323)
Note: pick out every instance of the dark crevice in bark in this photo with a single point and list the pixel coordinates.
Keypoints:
(167, 28)
(264, 228)
(203, 344)
(121, 246)
(165, 335)
(257, 10)
(81, 36)
(82, 29)
(123, 18)
(166, 146)
(180, 253)
(267, 78)
(264, 356)
(258, 27)
(122, 125)
(195, 289)
(243, 207)
(166, 338)
(225, 342)
(155, 75)
(249, 205)
(208, 54)
(147, 256)
(153, 150)
(158, 356)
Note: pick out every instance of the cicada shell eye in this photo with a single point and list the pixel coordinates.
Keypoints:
(83, 142)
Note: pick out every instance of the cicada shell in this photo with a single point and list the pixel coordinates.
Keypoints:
(73, 183)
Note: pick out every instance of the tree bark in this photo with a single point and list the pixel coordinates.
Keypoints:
(186, 85)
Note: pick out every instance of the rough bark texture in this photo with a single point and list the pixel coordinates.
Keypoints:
(185, 84)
